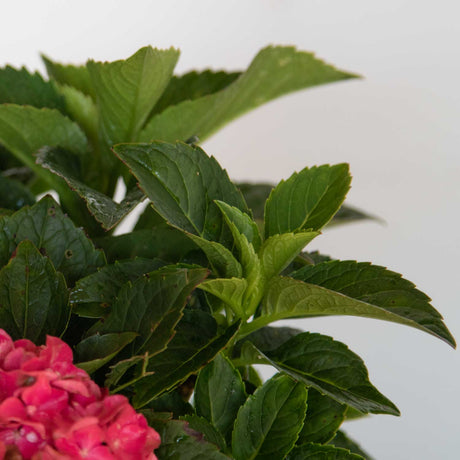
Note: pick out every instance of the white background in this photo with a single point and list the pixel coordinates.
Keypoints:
(398, 129)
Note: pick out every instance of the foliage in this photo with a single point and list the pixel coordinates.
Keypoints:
(184, 303)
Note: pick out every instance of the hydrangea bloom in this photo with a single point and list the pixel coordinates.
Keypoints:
(50, 409)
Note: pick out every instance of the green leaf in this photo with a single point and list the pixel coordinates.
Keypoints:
(269, 422)
(222, 261)
(55, 235)
(33, 297)
(104, 285)
(279, 251)
(24, 129)
(18, 86)
(180, 442)
(342, 440)
(376, 292)
(95, 351)
(194, 345)
(231, 291)
(151, 306)
(191, 86)
(210, 433)
(312, 451)
(120, 368)
(256, 195)
(242, 222)
(101, 206)
(127, 90)
(172, 402)
(324, 417)
(70, 75)
(307, 200)
(13, 194)
(149, 219)
(219, 393)
(349, 214)
(163, 242)
(329, 367)
(183, 182)
(82, 109)
(275, 71)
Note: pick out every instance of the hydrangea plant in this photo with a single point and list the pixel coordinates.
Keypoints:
(171, 317)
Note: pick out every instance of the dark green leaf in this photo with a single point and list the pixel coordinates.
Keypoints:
(275, 71)
(71, 75)
(179, 442)
(256, 195)
(191, 86)
(120, 368)
(25, 129)
(33, 297)
(324, 416)
(104, 285)
(149, 219)
(151, 306)
(163, 242)
(268, 424)
(343, 441)
(97, 350)
(396, 298)
(210, 433)
(307, 200)
(14, 195)
(18, 86)
(127, 90)
(103, 208)
(349, 214)
(219, 393)
(312, 451)
(329, 367)
(172, 402)
(194, 345)
(183, 182)
(55, 235)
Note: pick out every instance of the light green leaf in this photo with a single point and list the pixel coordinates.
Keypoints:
(242, 222)
(151, 306)
(95, 351)
(18, 86)
(102, 207)
(392, 297)
(312, 451)
(221, 259)
(329, 367)
(33, 297)
(195, 344)
(279, 251)
(307, 200)
(323, 419)
(231, 291)
(55, 235)
(183, 182)
(219, 393)
(269, 422)
(191, 86)
(275, 71)
(127, 90)
(70, 75)
(82, 109)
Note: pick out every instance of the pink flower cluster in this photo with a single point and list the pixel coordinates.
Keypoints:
(51, 409)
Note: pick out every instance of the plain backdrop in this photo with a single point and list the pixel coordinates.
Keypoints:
(398, 129)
